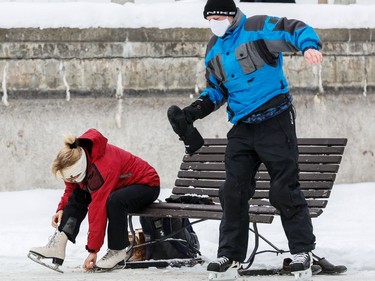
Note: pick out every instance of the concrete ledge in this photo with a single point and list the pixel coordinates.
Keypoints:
(98, 60)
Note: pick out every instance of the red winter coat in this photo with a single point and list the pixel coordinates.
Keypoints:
(108, 168)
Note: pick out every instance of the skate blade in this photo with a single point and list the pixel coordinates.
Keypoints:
(103, 270)
(304, 275)
(99, 270)
(230, 275)
(38, 259)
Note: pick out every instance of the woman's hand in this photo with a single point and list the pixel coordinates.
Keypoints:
(56, 218)
(90, 261)
(313, 56)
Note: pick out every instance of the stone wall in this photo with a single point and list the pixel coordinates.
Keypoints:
(121, 81)
(163, 60)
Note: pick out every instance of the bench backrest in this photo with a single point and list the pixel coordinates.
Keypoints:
(203, 173)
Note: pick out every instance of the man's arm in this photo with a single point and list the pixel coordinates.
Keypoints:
(283, 35)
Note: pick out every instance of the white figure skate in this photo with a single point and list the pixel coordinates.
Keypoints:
(113, 259)
(55, 250)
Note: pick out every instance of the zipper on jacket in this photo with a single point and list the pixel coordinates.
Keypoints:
(282, 84)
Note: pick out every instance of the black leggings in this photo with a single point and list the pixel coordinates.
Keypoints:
(74, 213)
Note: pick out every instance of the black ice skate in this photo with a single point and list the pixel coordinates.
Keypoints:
(223, 269)
(301, 266)
(55, 250)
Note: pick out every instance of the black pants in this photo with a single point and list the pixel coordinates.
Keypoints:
(274, 143)
(119, 203)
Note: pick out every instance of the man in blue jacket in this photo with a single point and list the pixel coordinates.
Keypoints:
(244, 70)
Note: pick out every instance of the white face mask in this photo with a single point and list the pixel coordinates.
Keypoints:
(219, 27)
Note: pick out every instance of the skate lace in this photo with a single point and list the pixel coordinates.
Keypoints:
(52, 239)
(110, 253)
(300, 258)
(222, 260)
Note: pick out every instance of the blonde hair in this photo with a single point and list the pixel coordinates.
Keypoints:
(68, 155)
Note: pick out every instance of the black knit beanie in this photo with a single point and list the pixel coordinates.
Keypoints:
(220, 7)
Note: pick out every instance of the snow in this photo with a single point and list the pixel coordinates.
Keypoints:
(167, 14)
(345, 235)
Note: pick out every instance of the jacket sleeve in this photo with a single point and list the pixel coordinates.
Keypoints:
(69, 187)
(215, 89)
(283, 35)
(97, 214)
(214, 92)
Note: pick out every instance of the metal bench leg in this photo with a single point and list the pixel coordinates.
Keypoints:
(132, 231)
(277, 250)
(257, 235)
(250, 260)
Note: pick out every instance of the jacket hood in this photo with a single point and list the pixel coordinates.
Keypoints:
(94, 142)
(237, 20)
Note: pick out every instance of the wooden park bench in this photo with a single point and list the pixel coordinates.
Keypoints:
(202, 174)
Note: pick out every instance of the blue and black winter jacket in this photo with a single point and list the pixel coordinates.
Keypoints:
(244, 67)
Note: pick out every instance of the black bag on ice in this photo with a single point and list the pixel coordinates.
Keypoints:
(183, 244)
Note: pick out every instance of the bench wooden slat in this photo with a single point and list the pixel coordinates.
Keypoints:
(322, 193)
(322, 141)
(210, 208)
(301, 141)
(308, 193)
(260, 184)
(323, 159)
(259, 176)
(156, 212)
(310, 202)
(221, 167)
(317, 203)
(196, 214)
(263, 202)
(314, 213)
(302, 150)
(258, 215)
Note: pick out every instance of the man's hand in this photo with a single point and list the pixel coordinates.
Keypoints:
(56, 218)
(313, 56)
(90, 261)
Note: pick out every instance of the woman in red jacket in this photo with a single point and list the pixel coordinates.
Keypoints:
(106, 182)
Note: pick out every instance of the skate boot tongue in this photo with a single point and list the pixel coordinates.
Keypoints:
(301, 261)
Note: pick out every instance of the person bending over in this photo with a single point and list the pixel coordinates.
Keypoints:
(106, 182)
